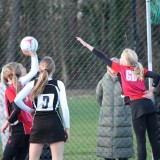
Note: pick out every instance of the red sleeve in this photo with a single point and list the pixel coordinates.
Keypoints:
(115, 66)
(10, 95)
(145, 71)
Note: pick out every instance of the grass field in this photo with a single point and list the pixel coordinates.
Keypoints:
(84, 112)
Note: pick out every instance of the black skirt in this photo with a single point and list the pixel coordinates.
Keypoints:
(142, 106)
(47, 128)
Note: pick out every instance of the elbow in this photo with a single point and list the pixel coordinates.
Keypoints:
(156, 81)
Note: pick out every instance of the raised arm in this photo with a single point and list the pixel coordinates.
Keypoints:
(96, 52)
(22, 95)
(34, 68)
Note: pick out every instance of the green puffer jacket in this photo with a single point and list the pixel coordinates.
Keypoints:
(114, 126)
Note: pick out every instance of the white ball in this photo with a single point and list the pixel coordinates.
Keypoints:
(29, 43)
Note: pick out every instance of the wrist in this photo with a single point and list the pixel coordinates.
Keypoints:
(152, 89)
(7, 122)
(33, 54)
(31, 110)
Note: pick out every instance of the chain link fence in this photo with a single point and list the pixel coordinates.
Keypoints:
(109, 25)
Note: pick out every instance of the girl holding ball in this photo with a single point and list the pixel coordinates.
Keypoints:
(47, 94)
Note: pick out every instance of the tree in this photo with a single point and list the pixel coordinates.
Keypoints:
(14, 27)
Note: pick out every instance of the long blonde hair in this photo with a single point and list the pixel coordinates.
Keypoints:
(132, 59)
(12, 72)
(46, 68)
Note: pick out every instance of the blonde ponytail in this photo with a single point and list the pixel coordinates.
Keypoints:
(16, 83)
(39, 87)
(139, 71)
(47, 68)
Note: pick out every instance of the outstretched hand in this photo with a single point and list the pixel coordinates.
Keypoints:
(67, 134)
(81, 41)
(32, 112)
(148, 94)
(5, 126)
(84, 43)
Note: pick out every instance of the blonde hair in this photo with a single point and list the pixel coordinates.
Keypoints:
(12, 71)
(132, 60)
(46, 68)
(115, 59)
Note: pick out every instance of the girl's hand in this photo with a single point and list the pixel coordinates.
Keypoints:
(67, 134)
(85, 44)
(4, 126)
(32, 112)
(148, 94)
(28, 53)
(82, 41)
